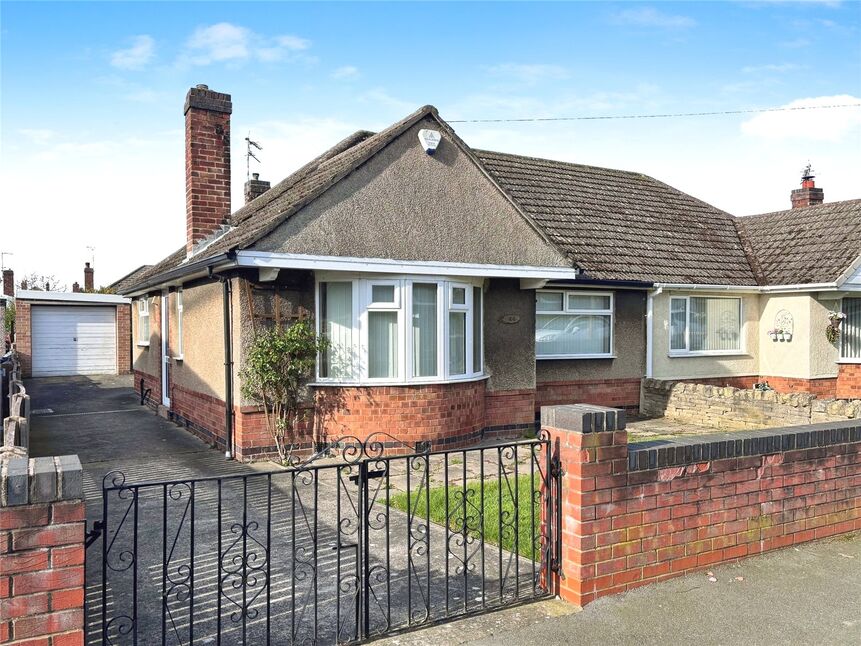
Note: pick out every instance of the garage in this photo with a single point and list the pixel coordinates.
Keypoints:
(74, 340)
(63, 334)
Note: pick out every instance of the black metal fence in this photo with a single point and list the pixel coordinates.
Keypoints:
(344, 547)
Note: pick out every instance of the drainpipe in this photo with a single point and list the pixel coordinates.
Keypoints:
(650, 332)
(226, 296)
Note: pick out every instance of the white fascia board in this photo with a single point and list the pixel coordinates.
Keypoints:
(70, 297)
(852, 273)
(750, 289)
(809, 287)
(264, 259)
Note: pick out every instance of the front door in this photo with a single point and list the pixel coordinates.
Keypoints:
(165, 347)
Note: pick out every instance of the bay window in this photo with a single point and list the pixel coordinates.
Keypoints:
(399, 330)
(573, 325)
(705, 325)
(850, 329)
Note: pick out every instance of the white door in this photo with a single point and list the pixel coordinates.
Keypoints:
(73, 340)
(165, 346)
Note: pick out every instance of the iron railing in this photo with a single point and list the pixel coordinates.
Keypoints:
(353, 544)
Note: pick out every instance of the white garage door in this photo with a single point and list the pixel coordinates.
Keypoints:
(73, 340)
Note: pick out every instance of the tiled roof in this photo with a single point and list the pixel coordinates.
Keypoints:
(623, 225)
(811, 244)
(130, 279)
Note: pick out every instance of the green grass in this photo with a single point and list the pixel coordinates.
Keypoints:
(528, 513)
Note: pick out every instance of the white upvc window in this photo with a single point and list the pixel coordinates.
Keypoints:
(850, 331)
(573, 324)
(179, 351)
(143, 321)
(705, 325)
(410, 329)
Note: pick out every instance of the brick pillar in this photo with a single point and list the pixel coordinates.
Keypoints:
(207, 163)
(22, 339)
(42, 527)
(592, 447)
(124, 339)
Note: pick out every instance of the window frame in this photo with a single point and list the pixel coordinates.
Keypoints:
(143, 312)
(687, 352)
(571, 311)
(841, 358)
(363, 305)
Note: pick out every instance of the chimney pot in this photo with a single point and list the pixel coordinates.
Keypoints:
(808, 194)
(202, 86)
(255, 176)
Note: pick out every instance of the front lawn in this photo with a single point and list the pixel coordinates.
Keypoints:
(528, 518)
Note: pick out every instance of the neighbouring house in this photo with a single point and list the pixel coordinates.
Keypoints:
(72, 333)
(460, 290)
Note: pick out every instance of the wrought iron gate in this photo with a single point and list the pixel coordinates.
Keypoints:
(360, 540)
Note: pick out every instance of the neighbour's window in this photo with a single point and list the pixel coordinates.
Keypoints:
(143, 322)
(850, 332)
(705, 325)
(179, 351)
(573, 325)
(401, 330)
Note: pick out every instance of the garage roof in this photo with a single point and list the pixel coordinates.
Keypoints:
(80, 298)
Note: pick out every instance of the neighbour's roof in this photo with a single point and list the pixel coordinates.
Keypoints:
(623, 225)
(810, 244)
(129, 279)
(79, 298)
(611, 224)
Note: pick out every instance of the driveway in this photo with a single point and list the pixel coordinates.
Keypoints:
(100, 419)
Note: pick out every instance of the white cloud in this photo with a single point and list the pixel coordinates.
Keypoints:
(137, 56)
(346, 72)
(528, 72)
(38, 135)
(796, 43)
(778, 68)
(800, 124)
(651, 17)
(226, 42)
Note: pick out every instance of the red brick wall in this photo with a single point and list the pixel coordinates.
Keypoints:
(151, 383)
(623, 529)
(204, 413)
(124, 339)
(23, 340)
(616, 393)
(849, 381)
(42, 572)
(509, 410)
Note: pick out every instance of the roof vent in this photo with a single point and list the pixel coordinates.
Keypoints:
(430, 140)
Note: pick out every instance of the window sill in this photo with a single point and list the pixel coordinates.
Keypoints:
(717, 353)
(551, 357)
(178, 358)
(849, 361)
(142, 345)
(393, 382)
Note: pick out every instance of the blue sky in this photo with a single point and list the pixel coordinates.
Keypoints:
(92, 98)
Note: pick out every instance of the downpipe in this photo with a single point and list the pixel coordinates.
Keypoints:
(227, 299)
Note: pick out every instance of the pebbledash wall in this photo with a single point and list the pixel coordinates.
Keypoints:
(641, 513)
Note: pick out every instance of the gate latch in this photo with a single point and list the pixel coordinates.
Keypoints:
(94, 533)
(370, 475)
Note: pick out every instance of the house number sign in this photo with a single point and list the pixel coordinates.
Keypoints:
(509, 319)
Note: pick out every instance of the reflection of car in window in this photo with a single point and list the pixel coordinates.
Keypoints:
(550, 330)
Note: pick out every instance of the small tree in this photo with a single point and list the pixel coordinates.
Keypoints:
(279, 364)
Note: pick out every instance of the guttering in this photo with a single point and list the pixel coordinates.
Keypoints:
(187, 271)
(809, 287)
(751, 289)
(264, 259)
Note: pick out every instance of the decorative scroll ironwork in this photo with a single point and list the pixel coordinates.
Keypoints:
(323, 552)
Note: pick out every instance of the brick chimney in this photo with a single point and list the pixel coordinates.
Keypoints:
(88, 277)
(76, 287)
(8, 282)
(255, 187)
(207, 163)
(808, 194)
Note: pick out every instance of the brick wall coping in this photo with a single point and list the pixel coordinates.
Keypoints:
(657, 454)
(40, 480)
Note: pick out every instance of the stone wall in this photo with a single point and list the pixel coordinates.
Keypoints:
(725, 407)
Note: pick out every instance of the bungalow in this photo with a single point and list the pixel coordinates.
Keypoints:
(459, 289)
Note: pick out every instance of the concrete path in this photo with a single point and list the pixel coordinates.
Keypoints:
(805, 595)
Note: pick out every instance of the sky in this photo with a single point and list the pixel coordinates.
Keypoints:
(91, 98)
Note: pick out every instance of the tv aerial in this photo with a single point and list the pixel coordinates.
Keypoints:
(249, 155)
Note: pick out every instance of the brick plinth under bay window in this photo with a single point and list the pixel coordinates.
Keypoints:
(849, 381)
